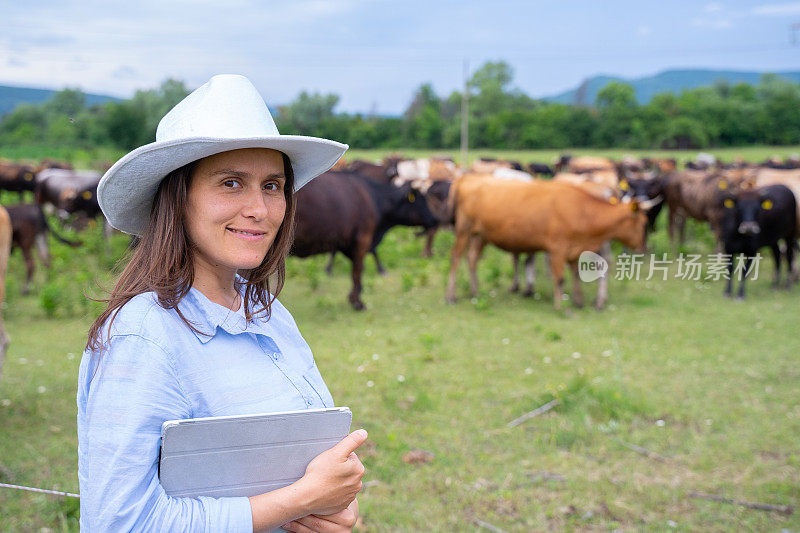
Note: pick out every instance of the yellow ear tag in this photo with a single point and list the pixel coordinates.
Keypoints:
(28, 176)
(613, 200)
(723, 185)
(86, 195)
(411, 197)
(623, 185)
(728, 203)
(766, 204)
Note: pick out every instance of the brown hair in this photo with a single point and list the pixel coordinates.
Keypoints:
(163, 261)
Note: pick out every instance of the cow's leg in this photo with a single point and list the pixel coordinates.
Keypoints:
(577, 290)
(602, 282)
(429, 235)
(358, 270)
(515, 280)
(473, 256)
(530, 274)
(329, 266)
(729, 285)
(557, 274)
(791, 263)
(378, 264)
(462, 239)
(776, 256)
(747, 262)
(42, 249)
(30, 267)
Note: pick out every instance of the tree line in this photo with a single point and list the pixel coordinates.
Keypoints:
(500, 116)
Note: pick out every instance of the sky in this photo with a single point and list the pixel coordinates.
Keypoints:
(374, 54)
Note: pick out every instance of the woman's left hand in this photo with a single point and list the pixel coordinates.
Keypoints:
(341, 522)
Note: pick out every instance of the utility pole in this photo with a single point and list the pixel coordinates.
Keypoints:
(465, 116)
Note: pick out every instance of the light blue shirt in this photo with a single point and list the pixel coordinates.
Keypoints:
(154, 368)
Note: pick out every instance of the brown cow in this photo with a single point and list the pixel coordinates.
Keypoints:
(17, 178)
(5, 250)
(30, 229)
(584, 163)
(695, 194)
(519, 217)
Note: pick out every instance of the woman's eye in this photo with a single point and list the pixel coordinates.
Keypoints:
(230, 183)
(272, 186)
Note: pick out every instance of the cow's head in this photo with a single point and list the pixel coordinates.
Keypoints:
(411, 209)
(744, 211)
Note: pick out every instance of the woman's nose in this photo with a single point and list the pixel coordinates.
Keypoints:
(255, 204)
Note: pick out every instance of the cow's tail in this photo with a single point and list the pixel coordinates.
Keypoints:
(58, 237)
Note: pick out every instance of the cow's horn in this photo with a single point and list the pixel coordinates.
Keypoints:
(649, 204)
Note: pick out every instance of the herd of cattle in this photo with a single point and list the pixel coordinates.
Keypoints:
(574, 205)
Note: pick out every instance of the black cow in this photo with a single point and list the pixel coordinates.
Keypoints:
(29, 229)
(69, 191)
(541, 169)
(644, 187)
(350, 213)
(17, 178)
(756, 218)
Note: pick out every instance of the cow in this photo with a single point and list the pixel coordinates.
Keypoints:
(436, 196)
(789, 178)
(696, 194)
(541, 169)
(644, 186)
(527, 217)
(5, 250)
(380, 173)
(69, 191)
(660, 166)
(30, 229)
(423, 171)
(578, 165)
(756, 218)
(17, 177)
(349, 213)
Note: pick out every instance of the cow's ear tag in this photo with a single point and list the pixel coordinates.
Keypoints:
(634, 206)
(411, 197)
(623, 185)
(728, 203)
(86, 195)
(613, 200)
(722, 185)
(766, 204)
(28, 176)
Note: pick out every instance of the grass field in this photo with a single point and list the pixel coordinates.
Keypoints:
(705, 388)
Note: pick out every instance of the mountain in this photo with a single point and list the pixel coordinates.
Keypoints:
(11, 97)
(668, 81)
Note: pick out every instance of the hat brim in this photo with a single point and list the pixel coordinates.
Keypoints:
(125, 193)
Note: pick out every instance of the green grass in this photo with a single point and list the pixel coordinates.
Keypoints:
(671, 366)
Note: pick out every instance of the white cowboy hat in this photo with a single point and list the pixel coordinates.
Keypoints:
(226, 113)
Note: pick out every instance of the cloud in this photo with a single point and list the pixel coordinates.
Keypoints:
(713, 7)
(125, 73)
(644, 30)
(714, 23)
(772, 10)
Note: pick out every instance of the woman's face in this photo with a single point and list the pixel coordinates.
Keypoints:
(236, 206)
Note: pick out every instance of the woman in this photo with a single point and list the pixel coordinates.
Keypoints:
(185, 336)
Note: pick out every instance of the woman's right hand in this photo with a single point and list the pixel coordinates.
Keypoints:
(333, 478)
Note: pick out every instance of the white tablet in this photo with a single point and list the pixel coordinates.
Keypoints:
(245, 455)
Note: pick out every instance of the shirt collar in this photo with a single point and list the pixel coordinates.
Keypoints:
(206, 316)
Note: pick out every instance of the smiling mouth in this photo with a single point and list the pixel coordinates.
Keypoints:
(242, 232)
